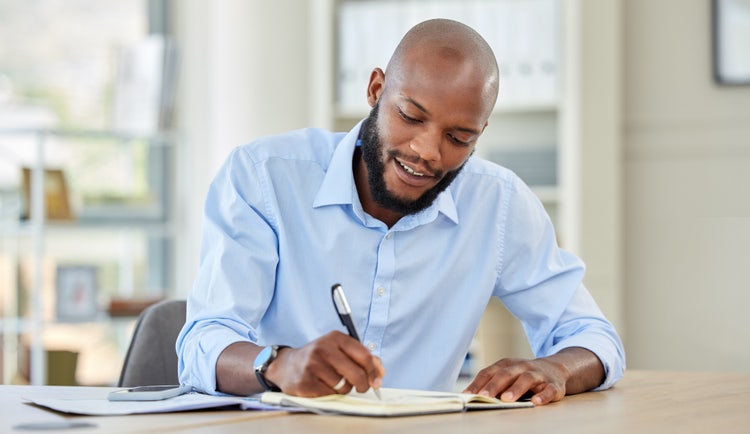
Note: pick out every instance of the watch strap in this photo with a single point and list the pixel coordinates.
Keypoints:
(260, 371)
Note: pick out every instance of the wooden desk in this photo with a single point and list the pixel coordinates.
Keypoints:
(643, 402)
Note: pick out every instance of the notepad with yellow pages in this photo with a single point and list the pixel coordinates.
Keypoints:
(395, 402)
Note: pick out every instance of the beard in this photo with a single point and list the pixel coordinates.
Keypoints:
(372, 154)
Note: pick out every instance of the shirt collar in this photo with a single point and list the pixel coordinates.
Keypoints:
(338, 183)
(338, 186)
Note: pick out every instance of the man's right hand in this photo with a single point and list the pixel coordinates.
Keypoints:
(312, 370)
(316, 368)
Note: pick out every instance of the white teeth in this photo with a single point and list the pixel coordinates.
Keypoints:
(410, 170)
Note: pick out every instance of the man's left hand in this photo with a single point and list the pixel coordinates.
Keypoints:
(547, 379)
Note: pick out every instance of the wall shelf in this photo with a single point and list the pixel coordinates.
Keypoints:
(129, 247)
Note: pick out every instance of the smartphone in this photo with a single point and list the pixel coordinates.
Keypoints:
(149, 393)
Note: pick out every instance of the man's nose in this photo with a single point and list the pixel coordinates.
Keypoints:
(426, 146)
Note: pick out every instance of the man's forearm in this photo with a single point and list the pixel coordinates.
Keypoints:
(234, 369)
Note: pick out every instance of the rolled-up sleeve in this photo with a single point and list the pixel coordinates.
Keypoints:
(235, 280)
(541, 285)
(583, 325)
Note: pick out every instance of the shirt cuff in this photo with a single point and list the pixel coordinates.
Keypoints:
(610, 354)
(201, 352)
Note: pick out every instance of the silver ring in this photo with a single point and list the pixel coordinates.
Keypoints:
(340, 384)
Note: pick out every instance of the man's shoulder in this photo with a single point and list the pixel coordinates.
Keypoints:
(306, 144)
(481, 177)
(480, 170)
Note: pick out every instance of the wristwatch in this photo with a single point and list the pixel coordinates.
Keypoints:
(262, 361)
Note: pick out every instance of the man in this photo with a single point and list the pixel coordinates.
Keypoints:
(419, 233)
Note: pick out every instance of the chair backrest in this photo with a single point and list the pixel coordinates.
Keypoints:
(151, 358)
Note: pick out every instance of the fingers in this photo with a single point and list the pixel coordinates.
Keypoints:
(548, 394)
(320, 387)
(334, 363)
(342, 382)
(494, 379)
(514, 379)
(334, 382)
(379, 374)
(363, 370)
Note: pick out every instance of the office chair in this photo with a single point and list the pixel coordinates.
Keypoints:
(151, 358)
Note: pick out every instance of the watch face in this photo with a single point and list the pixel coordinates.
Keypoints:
(262, 357)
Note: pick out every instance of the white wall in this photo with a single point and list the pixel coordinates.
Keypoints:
(591, 148)
(687, 195)
(244, 68)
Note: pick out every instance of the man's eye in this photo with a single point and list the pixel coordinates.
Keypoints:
(457, 140)
(408, 118)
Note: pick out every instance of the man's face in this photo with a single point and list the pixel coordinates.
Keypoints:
(424, 125)
(405, 198)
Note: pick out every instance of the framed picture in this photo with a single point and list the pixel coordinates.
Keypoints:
(77, 289)
(57, 202)
(731, 41)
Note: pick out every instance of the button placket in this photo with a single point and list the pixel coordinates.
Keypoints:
(380, 301)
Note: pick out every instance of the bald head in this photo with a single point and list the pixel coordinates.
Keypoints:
(441, 42)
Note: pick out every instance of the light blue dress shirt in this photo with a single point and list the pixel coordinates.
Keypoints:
(283, 222)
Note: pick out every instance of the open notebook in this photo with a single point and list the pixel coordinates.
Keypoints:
(395, 402)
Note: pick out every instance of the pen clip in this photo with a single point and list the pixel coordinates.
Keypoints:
(343, 310)
(339, 300)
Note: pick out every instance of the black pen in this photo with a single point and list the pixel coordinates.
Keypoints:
(345, 315)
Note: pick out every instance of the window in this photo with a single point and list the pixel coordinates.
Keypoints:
(61, 64)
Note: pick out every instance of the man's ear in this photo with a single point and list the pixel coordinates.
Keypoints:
(375, 86)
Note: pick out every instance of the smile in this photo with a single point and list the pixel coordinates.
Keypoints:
(409, 170)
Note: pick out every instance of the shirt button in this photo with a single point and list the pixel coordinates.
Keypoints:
(388, 235)
(372, 346)
(381, 291)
